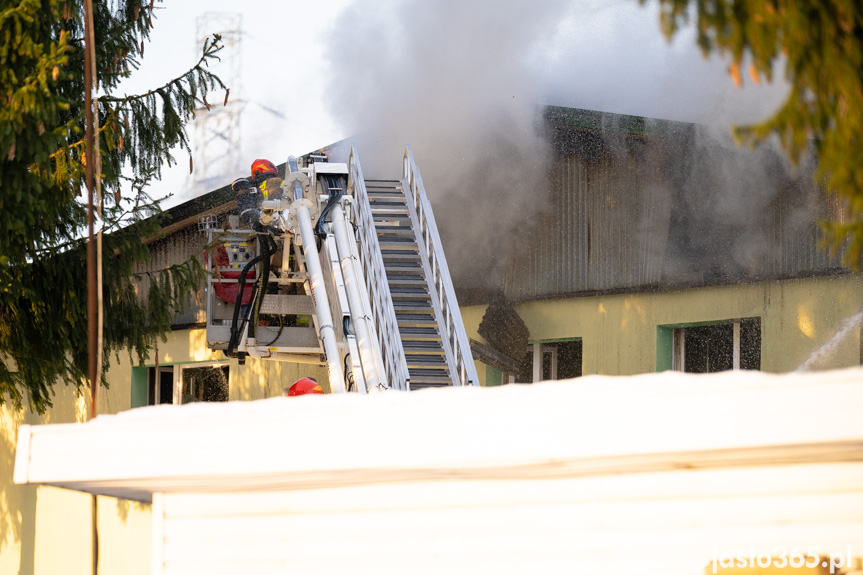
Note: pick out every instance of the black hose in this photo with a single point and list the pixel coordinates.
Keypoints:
(279, 334)
(334, 198)
(266, 254)
(241, 286)
(349, 374)
(246, 316)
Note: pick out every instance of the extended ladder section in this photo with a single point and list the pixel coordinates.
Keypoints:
(344, 272)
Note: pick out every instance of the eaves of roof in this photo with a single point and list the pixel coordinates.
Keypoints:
(216, 202)
(603, 122)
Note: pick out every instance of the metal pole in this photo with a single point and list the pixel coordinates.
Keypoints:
(97, 167)
(317, 287)
(90, 153)
(371, 365)
(321, 301)
(293, 169)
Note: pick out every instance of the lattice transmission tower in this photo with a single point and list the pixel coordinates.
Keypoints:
(217, 130)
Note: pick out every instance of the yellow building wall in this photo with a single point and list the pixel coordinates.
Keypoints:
(47, 531)
(257, 379)
(619, 332)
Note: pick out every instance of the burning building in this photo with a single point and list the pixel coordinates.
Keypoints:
(662, 245)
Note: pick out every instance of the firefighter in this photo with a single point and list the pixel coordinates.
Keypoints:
(264, 184)
(305, 386)
(247, 201)
(265, 178)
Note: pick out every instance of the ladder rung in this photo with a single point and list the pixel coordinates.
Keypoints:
(405, 257)
(423, 346)
(398, 238)
(395, 211)
(415, 320)
(391, 224)
(403, 267)
(429, 376)
(417, 385)
(424, 373)
(393, 200)
(387, 221)
(396, 280)
(413, 294)
(398, 244)
(426, 360)
(395, 276)
(390, 210)
(383, 184)
(394, 228)
(418, 306)
(428, 365)
(419, 333)
(407, 288)
(385, 193)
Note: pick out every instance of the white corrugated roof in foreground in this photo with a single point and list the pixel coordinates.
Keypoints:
(590, 425)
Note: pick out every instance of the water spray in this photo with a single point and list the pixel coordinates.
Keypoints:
(831, 345)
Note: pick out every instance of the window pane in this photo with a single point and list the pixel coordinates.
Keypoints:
(204, 384)
(166, 385)
(546, 366)
(569, 359)
(709, 348)
(151, 386)
(750, 343)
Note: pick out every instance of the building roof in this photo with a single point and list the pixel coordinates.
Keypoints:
(552, 430)
(596, 121)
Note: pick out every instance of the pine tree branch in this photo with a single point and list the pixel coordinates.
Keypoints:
(211, 48)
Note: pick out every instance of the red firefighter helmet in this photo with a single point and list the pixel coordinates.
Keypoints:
(305, 386)
(263, 167)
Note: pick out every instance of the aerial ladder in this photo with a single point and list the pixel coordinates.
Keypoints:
(343, 272)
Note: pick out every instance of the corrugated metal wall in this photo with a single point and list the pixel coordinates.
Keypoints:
(178, 248)
(599, 233)
(797, 236)
(680, 207)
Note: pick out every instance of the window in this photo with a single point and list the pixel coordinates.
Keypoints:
(160, 385)
(733, 344)
(178, 384)
(203, 384)
(550, 360)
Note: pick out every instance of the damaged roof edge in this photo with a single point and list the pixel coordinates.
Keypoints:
(592, 120)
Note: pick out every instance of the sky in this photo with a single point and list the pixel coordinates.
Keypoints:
(440, 75)
(280, 79)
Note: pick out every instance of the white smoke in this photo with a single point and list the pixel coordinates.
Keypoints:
(463, 83)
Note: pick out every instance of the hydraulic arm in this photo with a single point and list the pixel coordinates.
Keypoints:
(301, 277)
